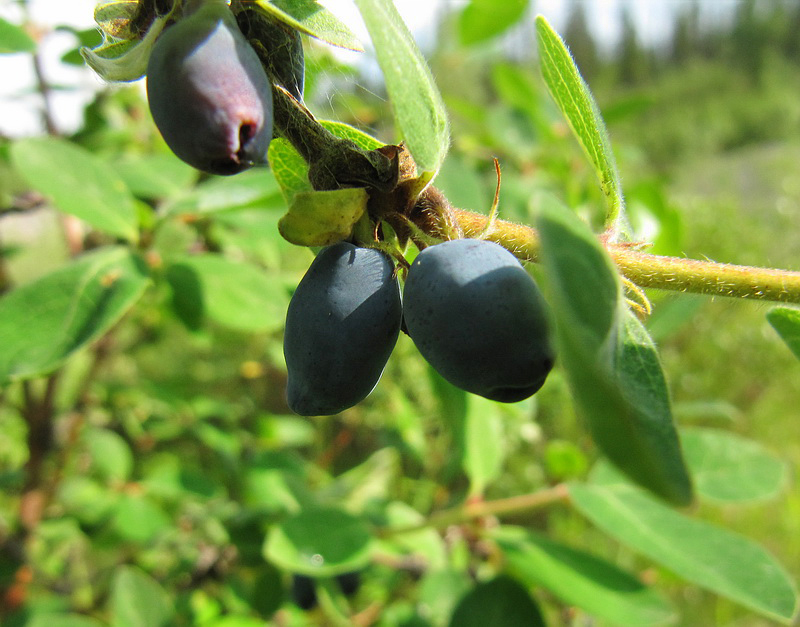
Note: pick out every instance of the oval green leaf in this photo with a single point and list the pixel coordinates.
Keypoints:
(320, 542)
(78, 183)
(581, 579)
(708, 556)
(234, 294)
(44, 322)
(731, 469)
(572, 95)
(419, 111)
(501, 601)
(611, 364)
(138, 600)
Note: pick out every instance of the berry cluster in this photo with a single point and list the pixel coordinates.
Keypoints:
(208, 92)
(470, 307)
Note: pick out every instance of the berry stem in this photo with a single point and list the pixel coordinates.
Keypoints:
(334, 163)
(655, 271)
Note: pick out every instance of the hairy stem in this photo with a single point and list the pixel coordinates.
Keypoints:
(654, 271)
(334, 162)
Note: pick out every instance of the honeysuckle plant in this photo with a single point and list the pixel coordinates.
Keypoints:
(340, 183)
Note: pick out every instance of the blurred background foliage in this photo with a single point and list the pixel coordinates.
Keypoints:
(172, 450)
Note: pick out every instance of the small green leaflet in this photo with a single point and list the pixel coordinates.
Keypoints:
(578, 106)
(311, 18)
(786, 321)
(79, 183)
(14, 39)
(708, 556)
(611, 363)
(44, 322)
(419, 111)
(138, 600)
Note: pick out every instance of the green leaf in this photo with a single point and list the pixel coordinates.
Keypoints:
(786, 321)
(78, 182)
(111, 457)
(581, 579)
(14, 39)
(234, 294)
(483, 19)
(323, 218)
(320, 542)
(138, 519)
(729, 468)
(311, 18)
(611, 363)
(253, 189)
(708, 556)
(44, 322)
(483, 443)
(155, 176)
(501, 601)
(419, 111)
(138, 600)
(578, 106)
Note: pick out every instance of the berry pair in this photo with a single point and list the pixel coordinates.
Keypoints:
(471, 309)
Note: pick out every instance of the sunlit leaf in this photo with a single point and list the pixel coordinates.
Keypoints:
(44, 322)
(578, 106)
(611, 363)
(78, 182)
(705, 555)
(311, 18)
(419, 111)
(253, 189)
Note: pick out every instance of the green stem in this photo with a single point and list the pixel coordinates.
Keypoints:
(334, 162)
(654, 271)
(482, 509)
